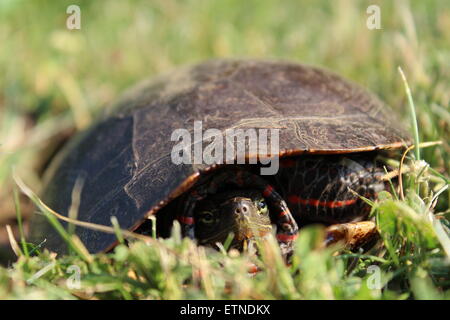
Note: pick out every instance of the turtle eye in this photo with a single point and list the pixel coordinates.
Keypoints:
(262, 206)
(206, 217)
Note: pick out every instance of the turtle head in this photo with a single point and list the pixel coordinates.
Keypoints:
(242, 212)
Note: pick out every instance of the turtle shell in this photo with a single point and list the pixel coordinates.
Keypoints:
(125, 158)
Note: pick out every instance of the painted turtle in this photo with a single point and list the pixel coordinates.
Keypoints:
(329, 132)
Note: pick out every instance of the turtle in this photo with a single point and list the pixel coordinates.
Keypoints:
(329, 131)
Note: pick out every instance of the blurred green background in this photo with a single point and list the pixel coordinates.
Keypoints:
(53, 81)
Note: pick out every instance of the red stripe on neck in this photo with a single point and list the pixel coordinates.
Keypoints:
(186, 220)
(286, 237)
(282, 214)
(267, 191)
(314, 202)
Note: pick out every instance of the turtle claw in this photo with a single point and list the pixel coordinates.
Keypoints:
(353, 235)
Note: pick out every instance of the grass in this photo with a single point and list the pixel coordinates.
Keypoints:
(56, 81)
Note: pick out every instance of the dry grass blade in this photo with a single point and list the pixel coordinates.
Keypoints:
(396, 172)
(14, 245)
(93, 226)
(75, 203)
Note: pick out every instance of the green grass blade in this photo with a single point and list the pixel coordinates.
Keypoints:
(20, 223)
(412, 111)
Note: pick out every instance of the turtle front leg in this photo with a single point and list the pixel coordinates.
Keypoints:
(353, 234)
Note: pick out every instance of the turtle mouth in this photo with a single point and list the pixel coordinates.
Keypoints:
(248, 223)
(242, 213)
(247, 228)
(245, 222)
